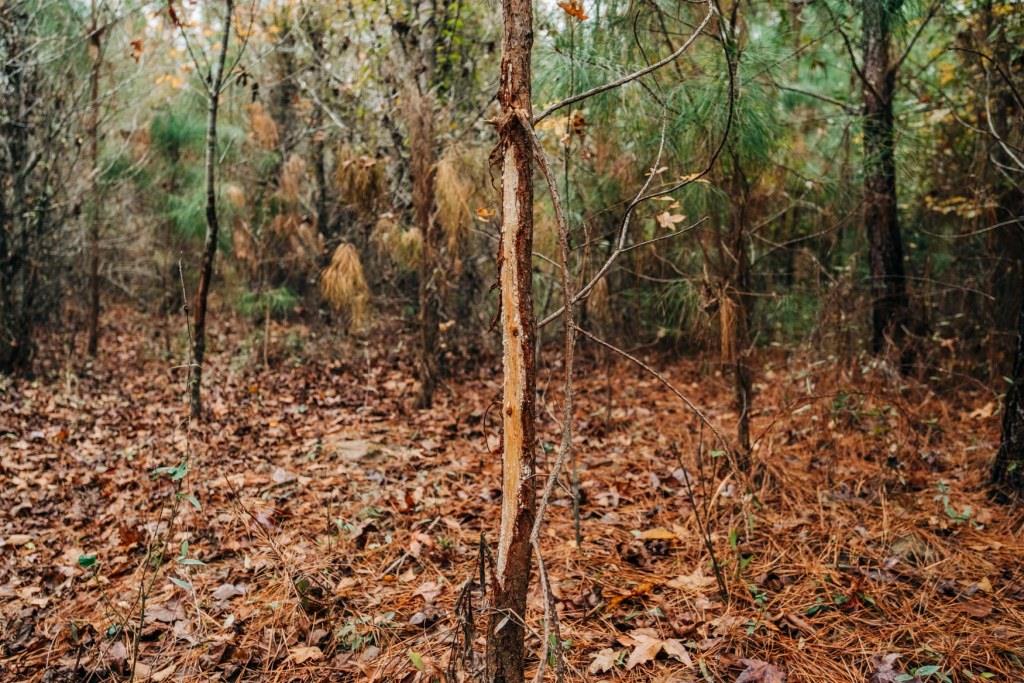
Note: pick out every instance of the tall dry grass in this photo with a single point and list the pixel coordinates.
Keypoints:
(343, 286)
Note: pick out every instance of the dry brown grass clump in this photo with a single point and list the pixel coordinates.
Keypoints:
(402, 246)
(461, 190)
(599, 302)
(293, 178)
(299, 235)
(360, 179)
(262, 127)
(343, 285)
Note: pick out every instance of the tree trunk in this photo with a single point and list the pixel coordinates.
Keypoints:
(212, 227)
(511, 577)
(881, 221)
(94, 217)
(1008, 469)
(743, 304)
(422, 169)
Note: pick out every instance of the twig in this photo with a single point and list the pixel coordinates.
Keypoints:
(661, 378)
(586, 94)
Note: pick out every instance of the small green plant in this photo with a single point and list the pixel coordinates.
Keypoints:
(927, 671)
(958, 516)
(276, 303)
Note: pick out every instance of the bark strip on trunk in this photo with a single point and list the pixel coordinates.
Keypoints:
(212, 226)
(511, 579)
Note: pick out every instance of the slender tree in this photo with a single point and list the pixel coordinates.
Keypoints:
(215, 83)
(422, 168)
(881, 220)
(511, 576)
(96, 52)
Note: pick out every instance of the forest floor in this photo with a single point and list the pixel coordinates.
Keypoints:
(317, 527)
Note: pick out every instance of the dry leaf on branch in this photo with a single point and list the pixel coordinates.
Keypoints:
(668, 220)
(574, 8)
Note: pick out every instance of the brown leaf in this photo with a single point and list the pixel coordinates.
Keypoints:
(603, 661)
(227, 591)
(429, 590)
(300, 655)
(692, 582)
(658, 533)
(17, 539)
(759, 671)
(674, 648)
(163, 674)
(646, 649)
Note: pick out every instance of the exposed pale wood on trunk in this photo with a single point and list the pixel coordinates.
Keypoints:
(512, 572)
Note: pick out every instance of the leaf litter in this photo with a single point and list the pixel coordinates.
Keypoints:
(325, 529)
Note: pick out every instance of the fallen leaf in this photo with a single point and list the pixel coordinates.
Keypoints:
(163, 674)
(163, 613)
(300, 655)
(692, 582)
(429, 590)
(674, 648)
(977, 608)
(282, 476)
(657, 534)
(759, 671)
(641, 589)
(227, 591)
(18, 539)
(885, 668)
(646, 649)
(117, 653)
(983, 412)
(603, 661)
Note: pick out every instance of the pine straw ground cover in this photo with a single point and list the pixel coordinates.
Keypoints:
(325, 530)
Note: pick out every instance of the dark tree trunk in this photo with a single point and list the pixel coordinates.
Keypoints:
(742, 373)
(1008, 469)
(94, 217)
(16, 343)
(212, 227)
(511, 576)
(889, 305)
